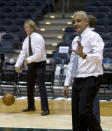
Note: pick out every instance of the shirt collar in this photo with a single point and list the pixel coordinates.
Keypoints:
(85, 32)
(31, 34)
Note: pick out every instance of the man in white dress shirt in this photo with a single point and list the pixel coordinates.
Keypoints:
(34, 57)
(86, 79)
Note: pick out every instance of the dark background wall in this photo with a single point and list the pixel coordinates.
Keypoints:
(70, 5)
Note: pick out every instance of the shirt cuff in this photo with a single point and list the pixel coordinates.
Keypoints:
(29, 60)
(66, 83)
(16, 65)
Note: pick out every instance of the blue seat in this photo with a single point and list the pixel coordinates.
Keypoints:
(2, 29)
(33, 11)
(100, 15)
(110, 16)
(14, 31)
(39, 4)
(100, 29)
(109, 29)
(107, 37)
(108, 45)
(7, 46)
(2, 3)
(7, 37)
(11, 3)
(25, 15)
(90, 9)
(12, 15)
(19, 22)
(97, 3)
(6, 9)
(6, 0)
(23, 3)
(107, 3)
(107, 50)
(104, 9)
(110, 22)
(6, 22)
(18, 9)
(107, 55)
(3, 16)
(100, 22)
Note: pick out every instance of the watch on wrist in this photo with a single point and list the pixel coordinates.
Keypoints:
(84, 56)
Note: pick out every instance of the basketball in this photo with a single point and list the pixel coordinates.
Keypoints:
(8, 99)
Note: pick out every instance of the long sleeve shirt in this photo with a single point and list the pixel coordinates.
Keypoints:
(38, 50)
(92, 65)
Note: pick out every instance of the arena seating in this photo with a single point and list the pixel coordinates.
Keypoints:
(14, 13)
(15, 83)
(103, 9)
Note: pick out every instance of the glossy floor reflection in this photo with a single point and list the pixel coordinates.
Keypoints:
(30, 129)
(13, 119)
(33, 129)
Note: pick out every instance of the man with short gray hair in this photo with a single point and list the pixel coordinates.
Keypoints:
(87, 56)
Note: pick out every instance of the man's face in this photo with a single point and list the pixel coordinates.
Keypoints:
(28, 29)
(80, 23)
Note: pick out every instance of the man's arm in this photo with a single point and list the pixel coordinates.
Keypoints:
(65, 91)
(22, 56)
(97, 46)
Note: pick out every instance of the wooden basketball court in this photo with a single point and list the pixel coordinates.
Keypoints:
(59, 118)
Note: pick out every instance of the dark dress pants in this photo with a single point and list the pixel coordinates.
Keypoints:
(96, 108)
(2, 60)
(36, 73)
(83, 93)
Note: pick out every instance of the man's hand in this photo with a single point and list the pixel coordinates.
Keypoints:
(18, 70)
(65, 91)
(79, 51)
(25, 64)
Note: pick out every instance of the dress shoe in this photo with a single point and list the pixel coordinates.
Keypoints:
(43, 113)
(28, 109)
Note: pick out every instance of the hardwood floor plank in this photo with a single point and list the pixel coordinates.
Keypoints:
(57, 107)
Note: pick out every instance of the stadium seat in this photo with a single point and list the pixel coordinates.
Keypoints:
(2, 3)
(7, 37)
(6, 9)
(6, 22)
(6, 46)
(7, 82)
(2, 15)
(2, 29)
(100, 15)
(100, 22)
(23, 3)
(12, 15)
(11, 3)
(100, 29)
(108, 45)
(18, 9)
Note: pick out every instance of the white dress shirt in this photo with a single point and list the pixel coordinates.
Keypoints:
(92, 65)
(38, 49)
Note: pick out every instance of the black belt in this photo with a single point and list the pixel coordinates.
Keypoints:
(83, 78)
